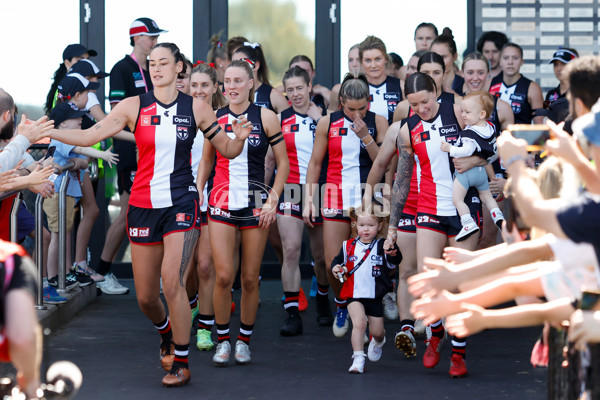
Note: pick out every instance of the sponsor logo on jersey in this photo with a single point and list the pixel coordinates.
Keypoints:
(184, 120)
(182, 132)
(391, 105)
(183, 217)
(228, 128)
(377, 258)
(370, 98)
(254, 139)
(312, 127)
(496, 88)
(148, 109)
(192, 188)
(448, 130)
(336, 132)
(392, 96)
(166, 113)
(289, 120)
(262, 104)
(155, 120)
(295, 128)
(352, 258)
(137, 76)
(145, 120)
(256, 128)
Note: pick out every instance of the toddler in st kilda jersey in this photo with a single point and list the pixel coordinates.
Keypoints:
(479, 139)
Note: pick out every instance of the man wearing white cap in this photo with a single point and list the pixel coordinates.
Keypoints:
(129, 77)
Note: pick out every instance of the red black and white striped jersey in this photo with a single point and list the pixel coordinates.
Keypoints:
(164, 134)
(515, 95)
(435, 186)
(299, 134)
(371, 279)
(239, 182)
(385, 97)
(349, 162)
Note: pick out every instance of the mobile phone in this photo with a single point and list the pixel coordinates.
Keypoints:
(589, 299)
(534, 135)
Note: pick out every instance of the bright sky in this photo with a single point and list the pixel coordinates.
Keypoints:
(33, 41)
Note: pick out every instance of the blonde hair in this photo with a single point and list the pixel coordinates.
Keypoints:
(485, 100)
(382, 217)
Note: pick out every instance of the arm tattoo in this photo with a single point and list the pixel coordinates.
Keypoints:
(401, 184)
(189, 243)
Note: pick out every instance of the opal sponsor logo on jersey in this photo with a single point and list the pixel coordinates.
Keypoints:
(139, 232)
(184, 120)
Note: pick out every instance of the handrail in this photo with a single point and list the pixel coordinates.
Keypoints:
(39, 253)
(62, 226)
(14, 212)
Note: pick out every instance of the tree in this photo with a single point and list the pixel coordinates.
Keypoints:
(273, 24)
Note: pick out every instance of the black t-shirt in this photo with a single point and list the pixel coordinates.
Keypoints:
(580, 220)
(126, 81)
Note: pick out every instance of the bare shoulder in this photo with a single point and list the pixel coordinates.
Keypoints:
(270, 121)
(403, 140)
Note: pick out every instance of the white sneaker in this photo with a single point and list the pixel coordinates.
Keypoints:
(111, 285)
(498, 217)
(221, 357)
(390, 308)
(341, 324)
(358, 364)
(242, 353)
(467, 230)
(405, 342)
(375, 349)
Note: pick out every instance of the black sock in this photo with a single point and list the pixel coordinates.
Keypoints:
(459, 346)
(407, 324)
(181, 356)
(290, 303)
(206, 321)
(437, 329)
(245, 332)
(104, 267)
(223, 332)
(164, 328)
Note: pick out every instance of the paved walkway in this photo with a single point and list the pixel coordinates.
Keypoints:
(116, 348)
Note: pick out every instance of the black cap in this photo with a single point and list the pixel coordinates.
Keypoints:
(74, 83)
(396, 59)
(64, 111)
(76, 50)
(144, 26)
(563, 55)
(86, 67)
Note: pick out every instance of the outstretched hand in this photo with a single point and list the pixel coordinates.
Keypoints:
(242, 127)
(35, 130)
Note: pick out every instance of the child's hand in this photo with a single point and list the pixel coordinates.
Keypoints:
(339, 272)
(390, 250)
(110, 157)
(445, 146)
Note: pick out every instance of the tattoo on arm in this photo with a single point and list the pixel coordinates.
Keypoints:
(401, 184)
(189, 243)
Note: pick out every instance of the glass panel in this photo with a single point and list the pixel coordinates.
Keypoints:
(397, 27)
(33, 48)
(285, 28)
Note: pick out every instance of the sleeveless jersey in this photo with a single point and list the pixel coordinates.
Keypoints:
(445, 97)
(435, 188)
(457, 85)
(554, 94)
(236, 183)
(515, 95)
(372, 278)
(485, 147)
(164, 135)
(385, 97)
(299, 134)
(349, 162)
(262, 96)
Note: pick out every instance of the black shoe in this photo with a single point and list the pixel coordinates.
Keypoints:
(292, 326)
(70, 282)
(83, 279)
(324, 316)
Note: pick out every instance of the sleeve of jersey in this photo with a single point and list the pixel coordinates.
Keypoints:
(118, 86)
(340, 259)
(467, 149)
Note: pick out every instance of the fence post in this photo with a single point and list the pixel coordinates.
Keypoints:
(39, 252)
(62, 230)
(14, 211)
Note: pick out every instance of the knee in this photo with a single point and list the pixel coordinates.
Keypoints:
(23, 339)
(407, 270)
(361, 324)
(148, 301)
(206, 270)
(292, 254)
(249, 283)
(92, 212)
(223, 280)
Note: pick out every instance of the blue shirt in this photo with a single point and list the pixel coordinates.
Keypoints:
(62, 155)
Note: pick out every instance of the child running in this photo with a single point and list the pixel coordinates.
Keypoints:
(366, 279)
(479, 139)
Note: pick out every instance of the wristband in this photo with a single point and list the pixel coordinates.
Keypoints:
(513, 160)
(367, 144)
